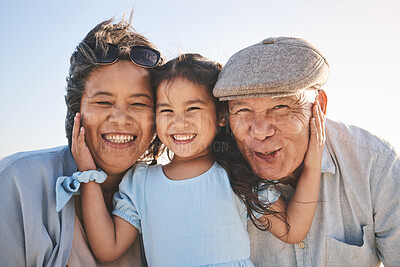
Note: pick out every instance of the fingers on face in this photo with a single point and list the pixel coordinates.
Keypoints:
(81, 138)
(75, 132)
(75, 129)
(319, 122)
(78, 134)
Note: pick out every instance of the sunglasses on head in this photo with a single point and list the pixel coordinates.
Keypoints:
(140, 55)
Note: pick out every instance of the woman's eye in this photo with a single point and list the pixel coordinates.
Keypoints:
(104, 103)
(138, 104)
(193, 108)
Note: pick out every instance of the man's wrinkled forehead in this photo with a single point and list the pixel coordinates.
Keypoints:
(307, 96)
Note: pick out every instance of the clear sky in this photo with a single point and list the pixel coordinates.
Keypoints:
(360, 39)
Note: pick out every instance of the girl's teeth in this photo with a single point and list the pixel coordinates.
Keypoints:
(183, 137)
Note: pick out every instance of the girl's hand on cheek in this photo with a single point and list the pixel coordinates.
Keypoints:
(317, 138)
(80, 151)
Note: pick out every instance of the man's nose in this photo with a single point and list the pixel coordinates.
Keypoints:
(262, 127)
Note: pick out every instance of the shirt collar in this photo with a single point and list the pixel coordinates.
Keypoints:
(327, 162)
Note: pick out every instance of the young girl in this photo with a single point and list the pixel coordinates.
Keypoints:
(186, 210)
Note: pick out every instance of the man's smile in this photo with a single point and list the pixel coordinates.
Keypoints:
(267, 156)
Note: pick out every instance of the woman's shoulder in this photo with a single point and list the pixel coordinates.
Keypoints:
(29, 157)
(52, 161)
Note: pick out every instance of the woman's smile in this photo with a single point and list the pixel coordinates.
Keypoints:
(119, 140)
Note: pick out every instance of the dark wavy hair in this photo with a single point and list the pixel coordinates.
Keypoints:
(244, 182)
(82, 63)
(199, 70)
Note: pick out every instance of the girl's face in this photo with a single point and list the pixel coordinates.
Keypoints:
(186, 118)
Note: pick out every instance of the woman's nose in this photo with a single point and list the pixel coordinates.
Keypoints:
(120, 115)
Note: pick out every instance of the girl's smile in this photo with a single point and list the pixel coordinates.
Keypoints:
(183, 138)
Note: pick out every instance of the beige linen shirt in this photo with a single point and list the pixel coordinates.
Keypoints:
(357, 221)
(81, 255)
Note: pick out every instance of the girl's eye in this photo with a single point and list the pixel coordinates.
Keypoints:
(165, 110)
(193, 108)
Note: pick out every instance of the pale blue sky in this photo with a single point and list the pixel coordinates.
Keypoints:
(360, 39)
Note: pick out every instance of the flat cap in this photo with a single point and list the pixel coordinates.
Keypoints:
(274, 67)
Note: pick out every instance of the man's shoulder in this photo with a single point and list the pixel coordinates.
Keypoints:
(353, 137)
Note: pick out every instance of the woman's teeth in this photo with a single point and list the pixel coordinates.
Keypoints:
(183, 137)
(119, 138)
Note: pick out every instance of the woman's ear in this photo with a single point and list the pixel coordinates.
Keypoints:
(323, 100)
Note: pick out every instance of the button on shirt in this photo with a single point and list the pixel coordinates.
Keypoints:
(357, 220)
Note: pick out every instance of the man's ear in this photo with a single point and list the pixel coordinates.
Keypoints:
(323, 100)
(222, 118)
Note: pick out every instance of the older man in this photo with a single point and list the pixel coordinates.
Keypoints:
(270, 87)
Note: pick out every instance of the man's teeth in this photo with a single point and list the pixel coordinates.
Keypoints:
(183, 137)
(267, 153)
(119, 138)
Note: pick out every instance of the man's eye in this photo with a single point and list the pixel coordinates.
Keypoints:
(193, 108)
(243, 110)
(280, 106)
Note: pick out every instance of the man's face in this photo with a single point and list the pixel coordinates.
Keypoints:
(271, 133)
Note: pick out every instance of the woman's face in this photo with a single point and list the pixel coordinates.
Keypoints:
(117, 114)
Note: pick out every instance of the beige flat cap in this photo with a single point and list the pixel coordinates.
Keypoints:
(274, 67)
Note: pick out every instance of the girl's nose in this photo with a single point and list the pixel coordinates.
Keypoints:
(180, 121)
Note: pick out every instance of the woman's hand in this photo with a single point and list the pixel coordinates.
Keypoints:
(317, 138)
(80, 151)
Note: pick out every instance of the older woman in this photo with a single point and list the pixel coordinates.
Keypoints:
(109, 84)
